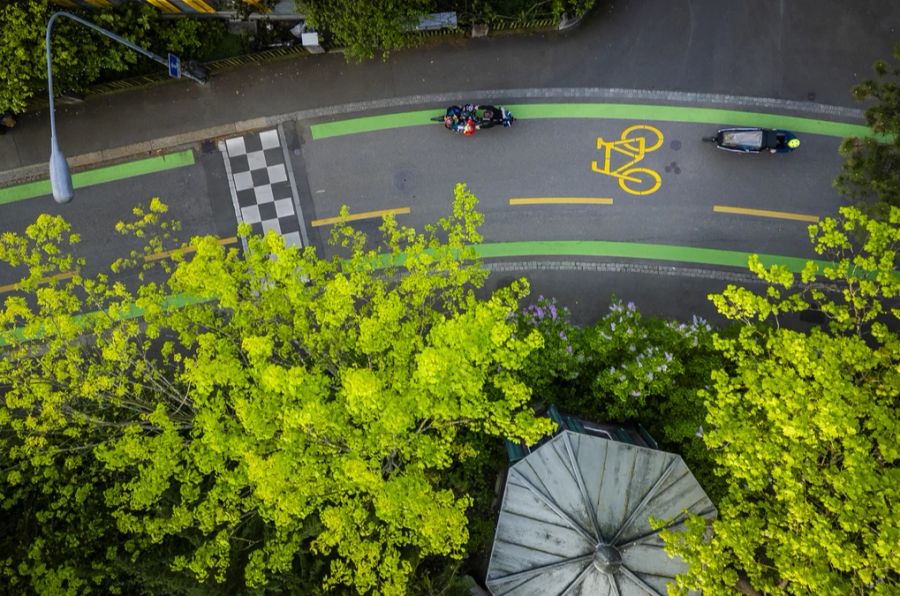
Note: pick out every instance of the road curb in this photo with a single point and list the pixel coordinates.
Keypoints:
(33, 172)
(507, 266)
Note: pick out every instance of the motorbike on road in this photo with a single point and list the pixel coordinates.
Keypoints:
(471, 117)
(755, 140)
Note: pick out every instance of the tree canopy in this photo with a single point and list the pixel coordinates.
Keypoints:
(81, 56)
(871, 166)
(366, 28)
(803, 427)
(266, 407)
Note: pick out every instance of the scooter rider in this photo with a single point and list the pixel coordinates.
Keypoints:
(461, 119)
(453, 117)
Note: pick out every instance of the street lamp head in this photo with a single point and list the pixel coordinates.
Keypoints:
(60, 178)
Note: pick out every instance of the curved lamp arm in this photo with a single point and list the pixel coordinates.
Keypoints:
(60, 177)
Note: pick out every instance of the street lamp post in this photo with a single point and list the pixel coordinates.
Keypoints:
(60, 177)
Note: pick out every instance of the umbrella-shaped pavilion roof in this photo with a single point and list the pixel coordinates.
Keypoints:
(575, 519)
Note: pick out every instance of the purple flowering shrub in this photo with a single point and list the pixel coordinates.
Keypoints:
(554, 369)
(650, 370)
(626, 368)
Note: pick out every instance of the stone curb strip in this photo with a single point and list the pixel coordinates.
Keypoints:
(505, 266)
(606, 267)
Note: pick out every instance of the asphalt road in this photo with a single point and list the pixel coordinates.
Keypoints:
(796, 50)
(803, 50)
(417, 167)
(197, 197)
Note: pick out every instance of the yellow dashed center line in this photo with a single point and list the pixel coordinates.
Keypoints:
(327, 221)
(153, 257)
(561, 201)
(58, 276)
(766, 213)
(188, 249)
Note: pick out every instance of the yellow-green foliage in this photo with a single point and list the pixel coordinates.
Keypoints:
(804, 427)
(290, 392)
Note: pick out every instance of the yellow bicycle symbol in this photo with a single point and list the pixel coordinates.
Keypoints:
(635, 142)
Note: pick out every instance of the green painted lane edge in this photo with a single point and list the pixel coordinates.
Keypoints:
(132, 311)
(150, 165)
(372, 123)
(613, 111)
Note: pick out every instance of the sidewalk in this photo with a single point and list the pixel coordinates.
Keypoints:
(805, 51)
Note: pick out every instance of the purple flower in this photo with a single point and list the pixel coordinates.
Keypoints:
(631, 306)
(539, 312)
(568, 349)
(553, 311)
(562, 335)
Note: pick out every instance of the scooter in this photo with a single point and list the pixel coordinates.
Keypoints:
(755, 140)
(471, 117)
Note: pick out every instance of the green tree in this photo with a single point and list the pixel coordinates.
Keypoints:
(871, 165)
(500, 10)
(270, 404)
(366, 28)
(81, 56)
(804, 427)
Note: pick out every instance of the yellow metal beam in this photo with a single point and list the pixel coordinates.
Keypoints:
(164, 5)
(258, 5)
(199, 5)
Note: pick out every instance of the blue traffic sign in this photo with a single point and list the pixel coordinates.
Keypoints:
(174, 66)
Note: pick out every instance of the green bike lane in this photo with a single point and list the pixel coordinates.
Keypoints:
(610, 111)
(102, 175)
